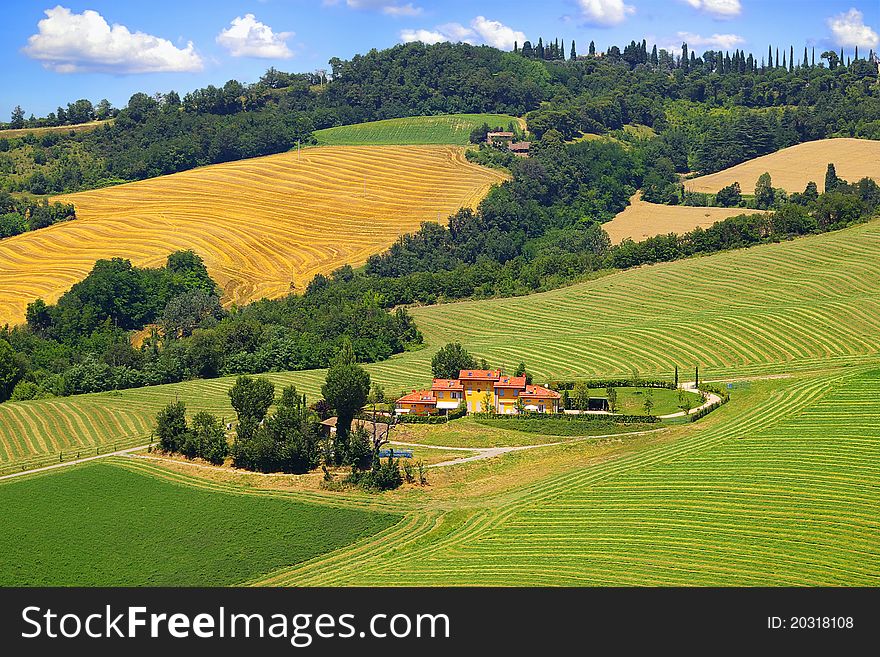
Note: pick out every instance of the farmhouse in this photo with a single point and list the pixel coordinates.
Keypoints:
(476, 389)
(520, 148)
(493, 138)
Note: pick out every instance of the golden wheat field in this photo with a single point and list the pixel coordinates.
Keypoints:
(792, 168)
(260, 224)
(641, 220)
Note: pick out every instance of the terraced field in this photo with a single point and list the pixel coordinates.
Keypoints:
(444, 129)
(804, 305)
(263, 226)
(779, 491)
(641, 220)
(792, 168)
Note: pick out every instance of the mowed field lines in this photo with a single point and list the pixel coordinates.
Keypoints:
(809, 304)
(792, 168)
(442, 129)
(780, 491)
(261, 225)
(805, 304)
(641, 220)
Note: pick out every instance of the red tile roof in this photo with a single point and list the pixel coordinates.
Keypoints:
(418, 397)
(446, 384)
(539, 392)
(479, 375)
(518, 382)
(521, 146)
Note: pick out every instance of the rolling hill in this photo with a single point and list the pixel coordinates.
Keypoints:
(641, 219)
(262, 225)
(792, 168)
(443, 129)
(794, 306)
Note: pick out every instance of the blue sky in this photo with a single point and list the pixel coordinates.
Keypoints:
(111, 49)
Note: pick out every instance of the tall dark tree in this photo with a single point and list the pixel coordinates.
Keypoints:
(17, 117)
(592, 48)
(346, 389)
(573, 55)
(831, 179)
(685, 64)
(770, 56)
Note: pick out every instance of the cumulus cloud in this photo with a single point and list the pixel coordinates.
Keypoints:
(849, 30)
(248, 37)
(605, 12)
(72, 43)
(718, 8)
(481, 30)
(402, 10)
(713, 42)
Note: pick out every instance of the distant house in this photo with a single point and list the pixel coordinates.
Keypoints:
(475, 388)
(493, 138)
(520, 148)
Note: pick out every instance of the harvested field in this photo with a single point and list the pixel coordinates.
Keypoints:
(264, 226)
(78, 127)
(792, 168)
(641, 220)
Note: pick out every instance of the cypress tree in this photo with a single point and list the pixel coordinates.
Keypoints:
(592, 48)
(562, 50)
(515, 48)
(783, 60)
(655, 61)
(856, 57)
(831, 179)
(814, 57)
(806, 60)
(777, 58)
(574, 54)
(841, 56)
(770, 56)
(791, 60)
(685, 64)
(539, 51)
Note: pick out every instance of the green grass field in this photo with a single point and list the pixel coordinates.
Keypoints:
(445, 129)
(778, 487)
(105, 525)
(631, 401)
(795, 306)
(560, 427)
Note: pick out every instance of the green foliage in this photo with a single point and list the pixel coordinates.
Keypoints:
(171, 427)
(252, 397)
(287, 441)
(98, 515)
(346, 389)
(729, 197)
(10, 370)
(450, 360)
(206, 439)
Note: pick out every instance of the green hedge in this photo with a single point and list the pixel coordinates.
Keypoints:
(620, 419)
(613, 383)
(725, 397)
(459, 412)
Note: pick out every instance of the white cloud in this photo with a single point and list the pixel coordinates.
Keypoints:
(714, 42)
(402, 10)
(248, 37)
(849, 29)
(718, 8)
(74, 43)
(428, 37)
(605, 12)
(481, 30)
(390, 8)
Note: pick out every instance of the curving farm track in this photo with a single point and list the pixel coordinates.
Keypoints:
(260, 224)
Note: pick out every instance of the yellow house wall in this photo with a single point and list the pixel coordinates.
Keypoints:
(474, 399)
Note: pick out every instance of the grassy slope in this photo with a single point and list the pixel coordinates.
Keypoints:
(802, 305)
(777, 488)
(101, 525)
(79, 127)
(444, 129)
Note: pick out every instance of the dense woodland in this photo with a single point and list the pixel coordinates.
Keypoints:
(539, 230)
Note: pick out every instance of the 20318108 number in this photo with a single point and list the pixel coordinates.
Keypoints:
(820, 622)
